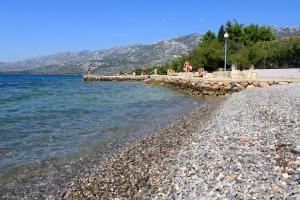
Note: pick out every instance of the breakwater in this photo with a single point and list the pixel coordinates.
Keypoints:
(198, 86)
(115, 78)
(217, 87)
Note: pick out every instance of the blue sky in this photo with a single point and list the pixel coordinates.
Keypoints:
(41, 27)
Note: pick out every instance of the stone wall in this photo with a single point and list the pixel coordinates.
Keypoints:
(211, 87)
(196, 86)
(291, 73)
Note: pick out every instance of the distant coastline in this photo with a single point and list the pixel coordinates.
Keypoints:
(32, 73)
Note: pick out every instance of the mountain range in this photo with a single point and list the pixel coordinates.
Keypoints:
(115, 60)
(107, 61)
(285, 31)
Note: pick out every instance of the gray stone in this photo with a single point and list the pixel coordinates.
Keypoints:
(296, 149)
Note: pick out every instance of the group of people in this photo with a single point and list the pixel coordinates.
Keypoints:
(187, 68)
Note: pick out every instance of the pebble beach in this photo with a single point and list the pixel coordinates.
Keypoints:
(245, 146)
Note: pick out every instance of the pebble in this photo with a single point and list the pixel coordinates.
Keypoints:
(285, 175)
(296, 149)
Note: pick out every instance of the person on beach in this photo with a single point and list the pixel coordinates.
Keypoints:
(187, 68)
(201, 72)
(145, 70)
(89, 69)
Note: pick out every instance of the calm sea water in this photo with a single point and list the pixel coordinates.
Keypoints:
(49, 116)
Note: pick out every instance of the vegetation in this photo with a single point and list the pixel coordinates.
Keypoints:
(247, 45)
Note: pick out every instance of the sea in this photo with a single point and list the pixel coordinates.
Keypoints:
(48, 117)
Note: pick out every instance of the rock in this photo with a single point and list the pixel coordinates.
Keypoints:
(256, 83)
(263, 84)
(220, 83)
(272, 147)
(226, 83)
(244, 84)
(276, 189)
(176, 186)
(240, 87)
(296, 149)
(285, 175)
(296, 190)
(231, 177)
(215, 87)
(228, 87)
(208, 86)
(245, 139)
(282, 83)
(250, 86)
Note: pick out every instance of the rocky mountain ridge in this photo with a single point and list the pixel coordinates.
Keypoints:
(108, 61)
(286, 31)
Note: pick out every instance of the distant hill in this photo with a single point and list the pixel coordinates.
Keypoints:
(108, 61)
(285, 31)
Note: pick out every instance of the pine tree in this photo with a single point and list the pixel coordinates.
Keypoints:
(221, 33)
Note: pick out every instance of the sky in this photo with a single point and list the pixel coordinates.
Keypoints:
(40, 27)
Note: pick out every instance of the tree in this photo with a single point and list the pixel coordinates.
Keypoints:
(221, 34)
(210, 54)
(255, 55)
(235, 31)
(240, 58)
(264, 34)
(251, 34)
(208, 36)
(247, 45)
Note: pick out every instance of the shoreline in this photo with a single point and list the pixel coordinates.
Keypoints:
(247, 147)
(136, 169)
(46, 179)
(242, 146)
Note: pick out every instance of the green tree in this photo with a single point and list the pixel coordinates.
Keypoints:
(221, 33)
(255, 55)
(247, 45)
(210, 54)
(251, 34)
(241, 59)
(264, 34)
(208, 36)
(235, 31)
